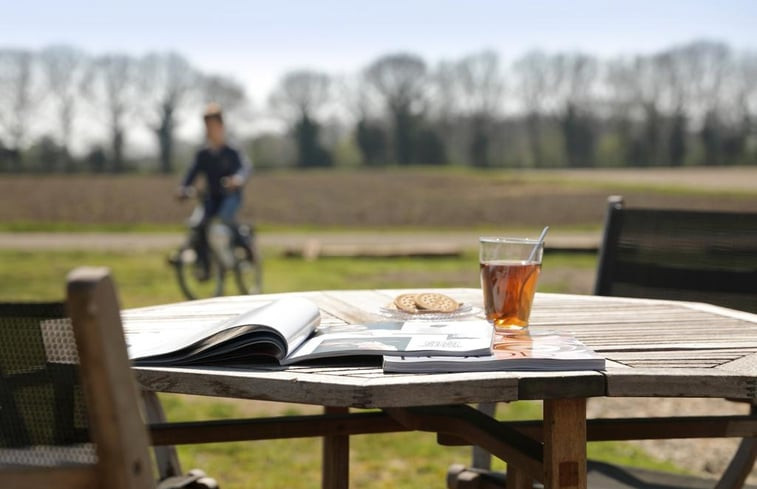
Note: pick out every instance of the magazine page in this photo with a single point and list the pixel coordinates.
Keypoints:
(273, 329)
(414, 337)
(518, 351)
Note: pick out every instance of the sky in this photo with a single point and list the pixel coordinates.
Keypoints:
(256, 42)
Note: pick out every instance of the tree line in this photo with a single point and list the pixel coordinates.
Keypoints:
(690, 104)
(44, 93)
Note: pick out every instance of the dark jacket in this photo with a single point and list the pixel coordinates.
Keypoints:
(215, 165)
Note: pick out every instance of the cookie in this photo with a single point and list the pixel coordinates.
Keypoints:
(430, 301)
(406, 302)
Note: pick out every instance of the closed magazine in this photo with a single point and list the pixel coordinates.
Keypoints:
(526, 350)
(287, 331)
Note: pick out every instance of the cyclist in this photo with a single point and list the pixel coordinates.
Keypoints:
(225, 169)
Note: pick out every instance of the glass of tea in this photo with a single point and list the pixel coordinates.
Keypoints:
(510, 269)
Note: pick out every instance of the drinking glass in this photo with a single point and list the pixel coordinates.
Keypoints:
(509, 270)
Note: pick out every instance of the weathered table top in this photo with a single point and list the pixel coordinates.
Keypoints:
(653, 348)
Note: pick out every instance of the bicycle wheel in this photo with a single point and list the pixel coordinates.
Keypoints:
(192, 280)
(248, 268)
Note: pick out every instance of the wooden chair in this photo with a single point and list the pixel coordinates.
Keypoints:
(703, 256)
(70, 415)
(680, 255)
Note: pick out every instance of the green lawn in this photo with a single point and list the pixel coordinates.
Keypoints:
(144, 278)
(377, 461)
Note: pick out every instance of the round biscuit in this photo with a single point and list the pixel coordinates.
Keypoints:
(431, 301)
(406, 302)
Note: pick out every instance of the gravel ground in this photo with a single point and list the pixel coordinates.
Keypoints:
(702, 457)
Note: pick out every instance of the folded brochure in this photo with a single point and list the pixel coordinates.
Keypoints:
(287, 331)
(527, 350)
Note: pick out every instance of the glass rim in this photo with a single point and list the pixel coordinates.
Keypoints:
(504, 239)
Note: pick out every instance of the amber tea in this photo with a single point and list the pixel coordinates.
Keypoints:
(509, 270)
(508, 292)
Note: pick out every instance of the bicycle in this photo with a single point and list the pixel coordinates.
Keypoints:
(228, 250)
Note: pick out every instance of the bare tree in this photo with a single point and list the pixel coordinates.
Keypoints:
(299, 98)
(708, 63)
(694, 76)
(622, 102)
(65, 71)
(300, 93)
(537, 82)
(481, 92)
(482, 83)
(167, 84)
(112, 85)
(676, 95)
(650, 95)
(703, 66)
(746, 84)
(225, 91)
(443, 108)
(635, 92)
(231, 96)
(364, 111)
(577, 74)
(19, 97)
(400, 80)
(444, 92)
(743, 105)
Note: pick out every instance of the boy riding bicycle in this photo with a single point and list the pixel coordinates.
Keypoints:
(226, 170)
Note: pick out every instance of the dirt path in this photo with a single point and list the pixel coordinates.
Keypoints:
(713, 179)
(463, 240)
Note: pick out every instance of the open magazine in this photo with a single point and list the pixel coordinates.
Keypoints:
(526, 350)
(287, 331)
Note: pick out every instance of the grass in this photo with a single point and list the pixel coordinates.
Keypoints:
(377, 461)
(34, 226)
(144, 278)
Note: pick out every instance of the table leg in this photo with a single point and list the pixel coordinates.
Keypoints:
(565, 444)
(517, 479)
(166, 457)
(336, 457)
(481, 458)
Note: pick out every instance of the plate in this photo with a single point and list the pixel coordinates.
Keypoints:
(465, 310)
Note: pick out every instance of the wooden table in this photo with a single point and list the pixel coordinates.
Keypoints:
(653, 348)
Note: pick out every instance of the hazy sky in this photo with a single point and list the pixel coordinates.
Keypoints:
(256, 41)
